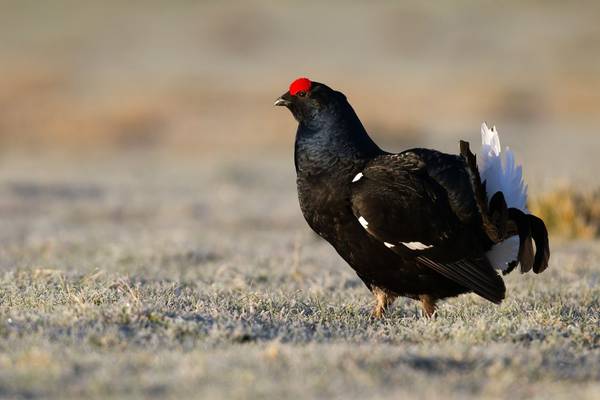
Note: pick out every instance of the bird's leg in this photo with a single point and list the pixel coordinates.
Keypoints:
(428, 304)
(383, 299)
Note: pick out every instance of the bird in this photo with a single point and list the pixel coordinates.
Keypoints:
(420, 223)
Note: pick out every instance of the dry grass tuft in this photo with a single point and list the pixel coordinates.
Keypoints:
(570, 213)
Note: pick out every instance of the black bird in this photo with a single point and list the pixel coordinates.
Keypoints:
(421, 223)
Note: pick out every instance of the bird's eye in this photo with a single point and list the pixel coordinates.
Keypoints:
(301, 93)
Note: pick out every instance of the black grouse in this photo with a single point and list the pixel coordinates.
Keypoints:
(420, 223)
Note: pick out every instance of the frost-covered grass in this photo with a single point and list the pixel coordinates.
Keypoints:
(130, 281)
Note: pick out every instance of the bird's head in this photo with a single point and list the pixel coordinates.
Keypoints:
(311, 102)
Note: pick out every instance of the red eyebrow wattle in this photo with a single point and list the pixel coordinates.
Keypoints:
(300, 85)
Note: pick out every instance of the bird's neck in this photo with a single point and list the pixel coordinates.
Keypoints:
(333, 145)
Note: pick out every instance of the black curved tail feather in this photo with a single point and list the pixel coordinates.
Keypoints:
(525, 255)
(529, 227)
(542, 245)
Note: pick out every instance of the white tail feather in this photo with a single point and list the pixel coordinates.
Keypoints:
(501, 174)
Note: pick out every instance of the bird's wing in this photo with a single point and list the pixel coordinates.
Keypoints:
(417, 214)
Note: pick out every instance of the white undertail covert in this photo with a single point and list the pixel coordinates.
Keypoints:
(501, 174)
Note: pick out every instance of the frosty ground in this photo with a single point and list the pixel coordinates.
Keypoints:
(154, 279)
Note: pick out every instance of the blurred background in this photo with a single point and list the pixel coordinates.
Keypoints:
(131, 107)
(197, 80)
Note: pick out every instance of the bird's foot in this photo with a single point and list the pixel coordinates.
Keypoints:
(383, 299)
(428, 304)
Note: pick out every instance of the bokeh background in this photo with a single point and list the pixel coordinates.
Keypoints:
(196, 80)
(151, 244)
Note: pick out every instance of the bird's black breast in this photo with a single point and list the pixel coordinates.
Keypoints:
(325, 204)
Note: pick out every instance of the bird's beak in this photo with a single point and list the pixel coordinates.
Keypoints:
(283, 100)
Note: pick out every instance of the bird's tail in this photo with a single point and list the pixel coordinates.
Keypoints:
(501, 174)
(506, 193)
